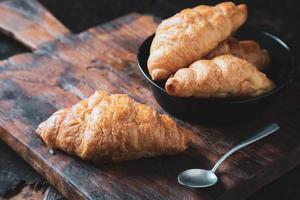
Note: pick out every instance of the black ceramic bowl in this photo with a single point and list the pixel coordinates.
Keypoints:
(215, 110)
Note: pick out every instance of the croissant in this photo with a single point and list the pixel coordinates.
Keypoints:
(223, 76)
(190, 35)
(106, 128)
(247, 49)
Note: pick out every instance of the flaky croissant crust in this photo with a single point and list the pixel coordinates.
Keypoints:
(223, 76)
(113, 127)
(246, 49)
(191, 34)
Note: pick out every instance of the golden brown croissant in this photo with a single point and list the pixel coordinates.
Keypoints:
(113, 127)
(247, 49)
(223, 76)
(190, 35)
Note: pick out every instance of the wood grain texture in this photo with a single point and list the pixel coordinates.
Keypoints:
(64, 68)
(28, 193)
(29, 22)
(15, 173)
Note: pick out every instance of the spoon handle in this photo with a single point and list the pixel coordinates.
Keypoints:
(257, 136)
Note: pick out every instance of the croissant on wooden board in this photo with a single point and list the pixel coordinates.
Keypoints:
(191, 34)
(108, 128)
(223, 76)
(247, 49)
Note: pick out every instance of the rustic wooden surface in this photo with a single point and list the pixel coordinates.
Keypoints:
(28, 193)
(64, 68)
(14, 173)
(285, 187)
(19, 181)
(31, 193)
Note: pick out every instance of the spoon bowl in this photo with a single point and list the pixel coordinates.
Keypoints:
(197, 178)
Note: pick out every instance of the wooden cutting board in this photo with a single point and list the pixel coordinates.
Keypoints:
(64, 67)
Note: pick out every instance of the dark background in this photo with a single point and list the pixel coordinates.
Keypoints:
(281, 18)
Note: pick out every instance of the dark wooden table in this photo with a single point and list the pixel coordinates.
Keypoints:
(19, 181)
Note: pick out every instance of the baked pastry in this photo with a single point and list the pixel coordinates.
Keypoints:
(106, 128)
(223, 76)
(247, 49)
(191, 34)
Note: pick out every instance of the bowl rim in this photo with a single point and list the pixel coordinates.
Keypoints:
(290, 73)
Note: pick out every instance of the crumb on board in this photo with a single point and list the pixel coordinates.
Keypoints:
(51, 151)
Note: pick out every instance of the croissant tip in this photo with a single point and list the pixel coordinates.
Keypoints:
(38, 131)
(171, 86)
(154, 77)
(159, 74)
(243, 7)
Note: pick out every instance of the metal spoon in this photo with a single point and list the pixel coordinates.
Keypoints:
(198, 178)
